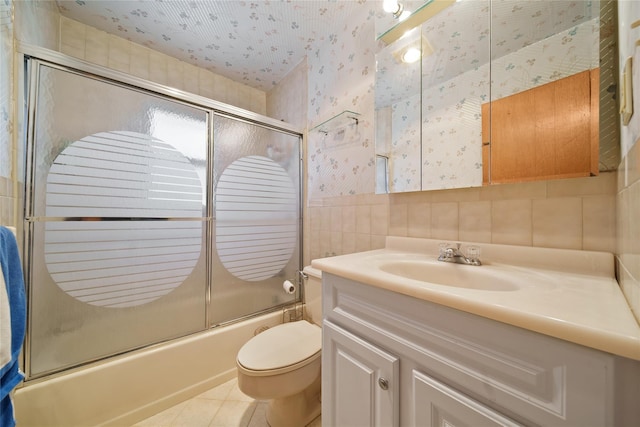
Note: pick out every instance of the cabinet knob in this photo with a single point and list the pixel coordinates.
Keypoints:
(383, 383)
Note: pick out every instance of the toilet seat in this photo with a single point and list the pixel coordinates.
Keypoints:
(281, 349)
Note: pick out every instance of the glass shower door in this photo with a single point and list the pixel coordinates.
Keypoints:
(257, 233)
(116, 216)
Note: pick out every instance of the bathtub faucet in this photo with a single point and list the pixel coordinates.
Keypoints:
(451, 254)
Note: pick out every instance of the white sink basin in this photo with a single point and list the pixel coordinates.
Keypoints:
(450, 274)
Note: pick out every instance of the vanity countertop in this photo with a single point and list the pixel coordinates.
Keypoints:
(568, 294)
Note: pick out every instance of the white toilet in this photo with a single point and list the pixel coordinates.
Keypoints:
(282, 364)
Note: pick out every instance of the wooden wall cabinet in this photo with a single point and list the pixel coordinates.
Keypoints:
(556, 135)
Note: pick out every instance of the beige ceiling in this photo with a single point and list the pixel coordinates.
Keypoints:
(255, 42)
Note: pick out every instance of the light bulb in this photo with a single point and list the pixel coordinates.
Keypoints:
(411, 55)
(390, 6)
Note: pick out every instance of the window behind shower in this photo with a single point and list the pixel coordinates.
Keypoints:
(148, 217)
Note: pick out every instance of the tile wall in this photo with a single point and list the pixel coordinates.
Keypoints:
(98, 47)
(628, 228)
(571, 214)
(628, 185)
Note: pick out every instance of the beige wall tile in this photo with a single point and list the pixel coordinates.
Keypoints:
(336, 243)
(221, 86)
(525, 190)
(419, 220)
(623, 223)
(633, 165)
(191, 79)
(314, 246)
(206, 84)
(511, 222)
(457, 195)
(475, 221)
(314, 215)
(6, 210)
(634, 230)
(325, 244)
(379, 219)
(139, 61)
(97, 46)
(363, 219)
(557, 222)
(175, 73)
(363, 242)
(336, 218)
(599, 223)
(630, 286)
(349, 219)
(325, 219)
(444, 221)
(377, 241)
(72, 38)
(348, 243)
(605, 183)
(398, 219)
(158, 68)
(119, 53)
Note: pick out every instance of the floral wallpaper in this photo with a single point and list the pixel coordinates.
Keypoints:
(404, 165)
(566, 53)
(254, 42)
(6, 68)
(452, 131)
(342, 77)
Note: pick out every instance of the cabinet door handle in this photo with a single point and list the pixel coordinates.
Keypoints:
(383, 383)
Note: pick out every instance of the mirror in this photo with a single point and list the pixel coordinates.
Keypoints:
(430, 124)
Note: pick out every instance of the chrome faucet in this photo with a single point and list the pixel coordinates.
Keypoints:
(451, 254)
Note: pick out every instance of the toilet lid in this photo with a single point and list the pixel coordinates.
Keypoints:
(281, 346)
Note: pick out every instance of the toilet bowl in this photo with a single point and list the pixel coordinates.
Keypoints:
(282, 365)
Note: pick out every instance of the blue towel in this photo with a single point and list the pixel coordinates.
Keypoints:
(10, 374)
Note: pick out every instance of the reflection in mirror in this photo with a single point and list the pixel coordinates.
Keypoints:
(398, 83)
(455, 82)
(386, 22)
(531, 43)
(549, 129)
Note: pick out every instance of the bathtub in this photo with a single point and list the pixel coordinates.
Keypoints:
(129, 388)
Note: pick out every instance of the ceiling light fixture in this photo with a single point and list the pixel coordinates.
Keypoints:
(394, 7)
(427, 11)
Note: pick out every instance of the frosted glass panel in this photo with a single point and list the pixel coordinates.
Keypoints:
(118, 220)
(257, 218)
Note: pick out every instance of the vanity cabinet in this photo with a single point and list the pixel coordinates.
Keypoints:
(362, 381)
(390, 359)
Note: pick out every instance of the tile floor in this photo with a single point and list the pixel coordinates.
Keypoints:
(222, 406)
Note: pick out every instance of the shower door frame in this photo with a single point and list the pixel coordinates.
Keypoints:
(26, 115)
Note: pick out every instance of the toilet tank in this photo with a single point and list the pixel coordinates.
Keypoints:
(313, 294)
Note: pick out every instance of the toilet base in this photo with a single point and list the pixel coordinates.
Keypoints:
(296, 410)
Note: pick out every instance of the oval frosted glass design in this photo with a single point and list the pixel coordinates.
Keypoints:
(256, 218)
(115, 191)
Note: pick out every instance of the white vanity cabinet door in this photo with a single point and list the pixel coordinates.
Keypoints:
(438, 405)
(360, 381)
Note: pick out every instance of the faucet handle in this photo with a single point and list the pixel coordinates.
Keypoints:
(443, 248)
(473, 253)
